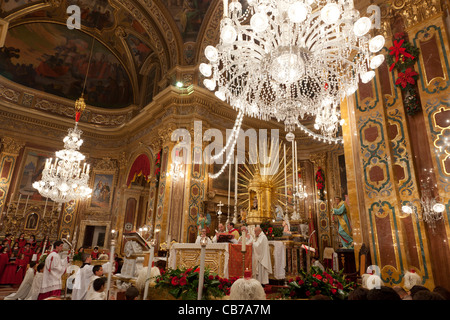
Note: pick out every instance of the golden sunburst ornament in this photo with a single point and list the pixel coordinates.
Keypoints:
(262, 187)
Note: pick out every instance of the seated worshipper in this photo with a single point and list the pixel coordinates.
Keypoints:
(98, 292)
(25, 286)
(248, 236)
(202, 235)
(247, 289)
(382, 293)
(402, 293)
(221, 228)
(132, 293)
(261, 264)
(95, 253)
(427, 295)
(411, 279)
(37, 282)
(232, 230)
(103, 256)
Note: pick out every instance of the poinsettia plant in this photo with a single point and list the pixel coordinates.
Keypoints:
(271, 231)
(320, 183)
(328, 283)
(402, 57)
(183, 283)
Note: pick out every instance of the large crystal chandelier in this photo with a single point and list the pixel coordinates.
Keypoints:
(291, 60)
(63, 179)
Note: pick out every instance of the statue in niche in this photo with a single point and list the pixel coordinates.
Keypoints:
(32, 221)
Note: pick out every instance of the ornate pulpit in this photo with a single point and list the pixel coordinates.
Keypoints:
(136, 256)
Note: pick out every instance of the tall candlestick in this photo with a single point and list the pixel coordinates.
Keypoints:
(225, 8)
(235, 188)
(26, 204)
(17, 207)
(285, 178)
(229, 191)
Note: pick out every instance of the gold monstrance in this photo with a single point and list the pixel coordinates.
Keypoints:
(263, 186)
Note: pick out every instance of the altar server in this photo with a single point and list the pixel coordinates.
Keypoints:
(262, 265)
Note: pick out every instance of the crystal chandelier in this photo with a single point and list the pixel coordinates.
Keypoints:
(63, 179)
(431, 209)
(176, 170)
(291, 60)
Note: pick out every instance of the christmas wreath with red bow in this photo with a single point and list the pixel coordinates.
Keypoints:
(320, 182)
(402, 56)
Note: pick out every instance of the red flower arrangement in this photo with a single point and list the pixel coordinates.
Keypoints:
(183, 283)
(328, 283)
(320, 182)
(402, 56)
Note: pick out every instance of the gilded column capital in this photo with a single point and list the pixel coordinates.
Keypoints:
(319, 159)
(11, 145)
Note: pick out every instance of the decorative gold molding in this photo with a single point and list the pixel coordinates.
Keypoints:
(11, 145)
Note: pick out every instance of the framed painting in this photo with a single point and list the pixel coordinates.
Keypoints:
(30, 171)
(102, 190)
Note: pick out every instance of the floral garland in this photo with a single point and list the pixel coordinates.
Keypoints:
(320, 182)
(158, 167)
(402, 56)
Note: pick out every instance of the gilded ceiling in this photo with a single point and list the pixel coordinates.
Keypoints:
(136, 45)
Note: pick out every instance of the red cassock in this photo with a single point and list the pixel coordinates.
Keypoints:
(4, 258)
(22, 242)
(27, 253)
(9, 274)
(21, 268)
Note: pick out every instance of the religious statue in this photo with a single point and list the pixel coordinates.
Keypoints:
(203, 222)
(341, 211)
(279, 213)
(286, 225)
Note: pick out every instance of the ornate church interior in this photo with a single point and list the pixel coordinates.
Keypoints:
(131, 126)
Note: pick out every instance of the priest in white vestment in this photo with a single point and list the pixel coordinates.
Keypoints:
(202, 235)
(262, 265)
(54, 268)
(25, 286)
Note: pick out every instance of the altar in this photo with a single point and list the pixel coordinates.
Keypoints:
(225, 259)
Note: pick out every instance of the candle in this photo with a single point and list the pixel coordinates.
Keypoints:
(17, 207)
(285, 177)
(26, 204)
(235, 181)
(225, 8)
(45, 207)
(244, 237)
(229, 190)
